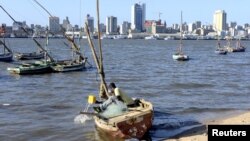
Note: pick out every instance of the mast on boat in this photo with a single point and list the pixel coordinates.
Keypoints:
(98, 60)
(181, 42)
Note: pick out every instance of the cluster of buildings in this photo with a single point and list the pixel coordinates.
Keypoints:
(138, 27)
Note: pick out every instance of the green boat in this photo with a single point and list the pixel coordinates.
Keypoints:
(38, 67)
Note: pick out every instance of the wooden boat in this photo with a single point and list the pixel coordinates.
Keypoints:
(6, 57)
(7, 54)
(77, 62)
(239, 47)
(179, 55)
(132, 124)
(29, 56)
(38, 67)
(68, 65)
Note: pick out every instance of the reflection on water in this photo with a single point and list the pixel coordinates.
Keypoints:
(43, 107)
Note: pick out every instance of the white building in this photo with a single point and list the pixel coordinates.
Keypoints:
(111, 25)
(220, 20)
(191, 27)
(124, 28)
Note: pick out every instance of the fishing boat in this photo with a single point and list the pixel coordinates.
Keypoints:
(77, 62)
(134, 122)
(239, 47)
(29, 56)
(220, 50)
(6, 55)
(68, 65)
(38, 67)
(179, 55)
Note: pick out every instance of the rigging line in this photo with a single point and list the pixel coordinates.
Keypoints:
(43, 7)
(37, 9)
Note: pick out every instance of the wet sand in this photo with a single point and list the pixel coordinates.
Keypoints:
(200, 134)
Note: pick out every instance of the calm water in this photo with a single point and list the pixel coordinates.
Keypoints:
(184, 94)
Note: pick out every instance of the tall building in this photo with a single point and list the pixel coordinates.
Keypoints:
(124, 28)
(138, 16)
(66, 23)
(198, 24)
(111, 25)
(54, 25)
(220, 20)
(90, 22)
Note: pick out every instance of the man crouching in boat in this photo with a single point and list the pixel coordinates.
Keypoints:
(116, 104)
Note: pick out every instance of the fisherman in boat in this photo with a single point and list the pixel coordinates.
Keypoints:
(122, 96)
(117, 97)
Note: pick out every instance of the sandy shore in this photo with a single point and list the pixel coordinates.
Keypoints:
(201, 135)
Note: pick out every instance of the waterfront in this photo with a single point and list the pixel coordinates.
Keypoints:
(43, 107)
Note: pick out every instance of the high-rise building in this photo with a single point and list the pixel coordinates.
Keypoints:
(198, 24)
(90, 22)
(66, 24)
(111, 25)
(124, 28)
(220, 20)
(138, 16)
(54, 25)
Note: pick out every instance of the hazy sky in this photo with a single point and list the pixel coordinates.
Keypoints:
(76, 10)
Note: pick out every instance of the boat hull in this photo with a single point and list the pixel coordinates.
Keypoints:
(223, 52)
(180, 57)
(29, 56)
(36, 68)
(66, 66)
(133, 124)
(6, 57)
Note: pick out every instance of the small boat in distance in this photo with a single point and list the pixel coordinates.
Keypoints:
(77, 62)
(220, 50)
(239, 47)
(29, 56)
(179, 55)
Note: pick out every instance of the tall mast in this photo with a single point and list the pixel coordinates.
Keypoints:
(180, 49)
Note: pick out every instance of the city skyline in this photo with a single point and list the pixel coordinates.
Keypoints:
(169, 11)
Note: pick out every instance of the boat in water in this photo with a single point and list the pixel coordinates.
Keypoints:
(68, 65)
(134, 122)
(6, 55)
(38, 67)
(29, 56)
(77, 62)
(220, 50)
(179, 55)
